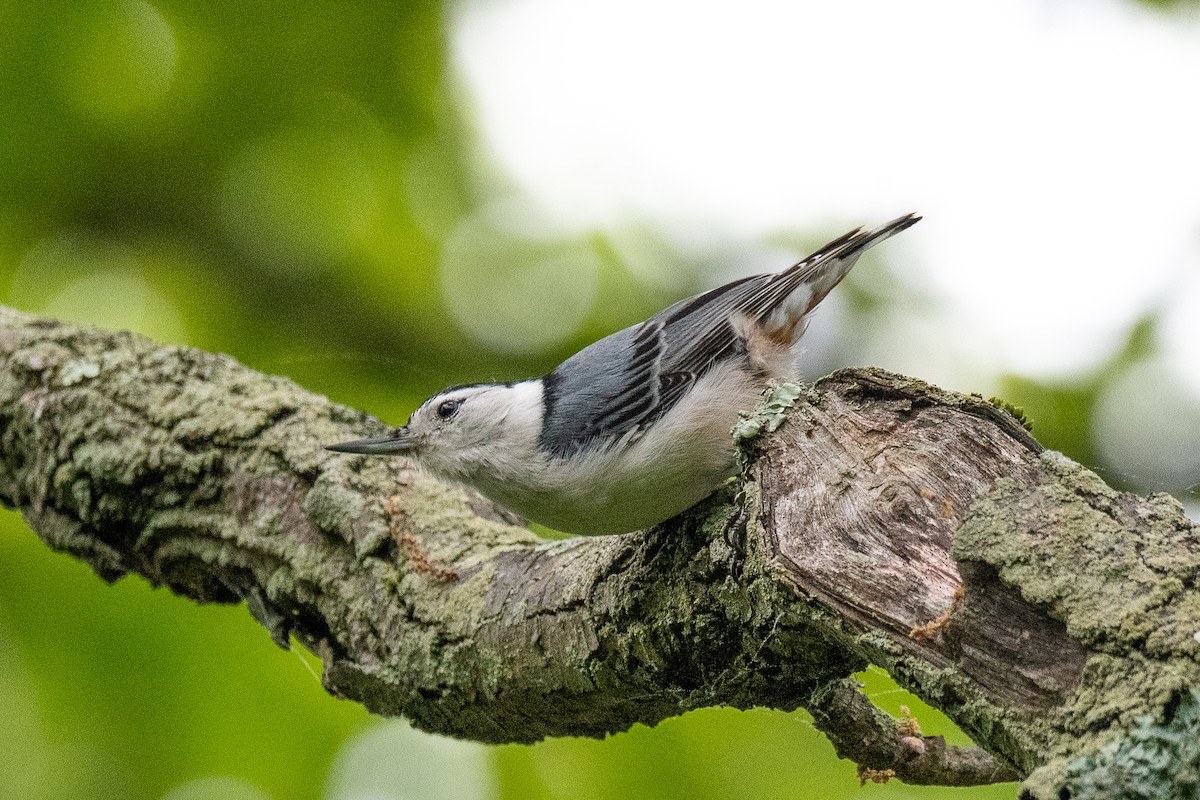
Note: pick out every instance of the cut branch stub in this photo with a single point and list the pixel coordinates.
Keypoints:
(890, 467)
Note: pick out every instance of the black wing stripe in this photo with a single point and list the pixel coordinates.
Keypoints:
(672, 387)
(639, 391)
(630, 417)
(694, 305)
(620, 413)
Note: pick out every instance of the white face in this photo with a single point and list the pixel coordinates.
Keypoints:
(462, 430)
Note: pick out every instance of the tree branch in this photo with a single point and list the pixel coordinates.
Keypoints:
(885, 746)
(858, 525)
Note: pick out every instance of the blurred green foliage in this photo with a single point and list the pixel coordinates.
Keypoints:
(1171, 5)
(125, 691)
(298, 185)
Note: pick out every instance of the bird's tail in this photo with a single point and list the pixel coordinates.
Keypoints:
(800, 288)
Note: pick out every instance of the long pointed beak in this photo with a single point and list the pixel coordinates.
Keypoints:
(397, 442)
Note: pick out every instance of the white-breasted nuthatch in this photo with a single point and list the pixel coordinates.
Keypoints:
(636, 427)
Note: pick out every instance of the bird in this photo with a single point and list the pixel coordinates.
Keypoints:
(636, 427)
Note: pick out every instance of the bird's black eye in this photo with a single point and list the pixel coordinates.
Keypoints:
(448, 408)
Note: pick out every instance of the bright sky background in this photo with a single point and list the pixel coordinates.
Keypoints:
(1053, 147)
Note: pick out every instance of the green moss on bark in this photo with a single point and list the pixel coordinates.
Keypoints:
(1155, 761)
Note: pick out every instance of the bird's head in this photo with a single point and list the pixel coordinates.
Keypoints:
(462, 429)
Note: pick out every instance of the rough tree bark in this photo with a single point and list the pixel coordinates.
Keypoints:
(879, 520)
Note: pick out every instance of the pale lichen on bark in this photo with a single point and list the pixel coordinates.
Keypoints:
(884, 521)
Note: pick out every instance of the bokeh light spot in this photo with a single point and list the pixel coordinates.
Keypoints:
(304, 198)
(1181, 326)
(95, 282)
(514, 294)
(1147, 424)
(392, 761)
(118, 60)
